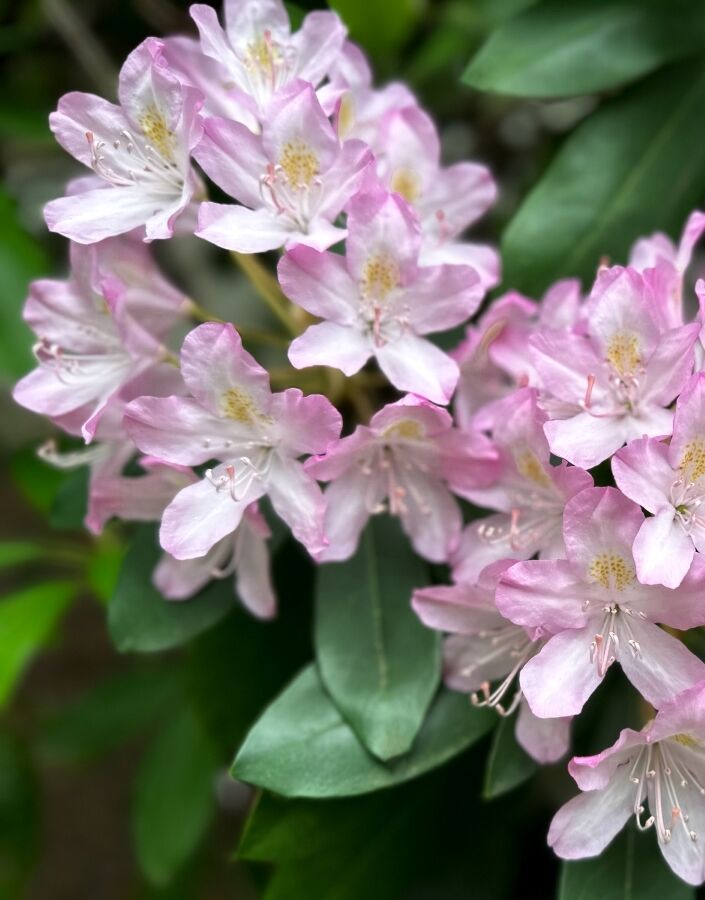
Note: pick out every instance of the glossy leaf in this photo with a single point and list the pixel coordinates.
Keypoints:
(174, 797)
(558, 49)
(508, 765)
(634, 166)
(140, 619)
(380, 665)
(631, 868)
(301, 747)
(27, 620)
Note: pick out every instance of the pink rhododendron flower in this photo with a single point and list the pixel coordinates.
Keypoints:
(530, 494)
(140, 151)
(293, 180)
(259, 52)
(614, 383)
(661, 767)
(446, 201)
(257, 436)
(483, 647)
(407, 461)
(377, 301)
(243, 554)
(97, 332)
(597, 612)
(668, 480)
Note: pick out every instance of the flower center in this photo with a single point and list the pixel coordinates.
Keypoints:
(611, 571)
(238, 405)
(623, 353)
(157, 132)
(406, 182)
(380, 276)
(530, 467)
(692, 463)
(406, 429)
(299, 164)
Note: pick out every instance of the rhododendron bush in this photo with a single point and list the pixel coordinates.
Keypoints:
(417, 497)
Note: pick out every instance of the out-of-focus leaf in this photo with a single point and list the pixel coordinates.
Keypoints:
(382, 29)
(301, 747)
(109, 714)
(19, 820)
(104, 567)
(174, 797)
(15, 553)
(21, 260)
(380, 665)
(37, 480)
(71, 501)
(140, 619)
(558, 49)
(631, 868)
(27, 620)
(323, 849)
(508, 765)
(634, 166)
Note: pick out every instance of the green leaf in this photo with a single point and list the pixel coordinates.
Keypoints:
(382, 31)
(559, 49)
(36, 479)
(378, 662)
(109, 714)
(301, 747)
(27, 620)
(21, 260)
(71, 501)
(140, 619)
(323, 848)
(15, 553)
(508, 765)
(634, 166)
(174, 797)
(19, 816)
(631, 868)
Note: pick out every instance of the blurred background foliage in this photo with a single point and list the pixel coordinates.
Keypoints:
(115, 741)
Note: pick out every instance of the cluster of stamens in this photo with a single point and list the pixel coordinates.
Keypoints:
(506, 641)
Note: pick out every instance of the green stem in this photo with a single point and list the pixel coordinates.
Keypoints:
(268, 289)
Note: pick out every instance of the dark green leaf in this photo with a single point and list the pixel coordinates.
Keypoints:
(36, 479)
(27, 620)
(630, 869)
(21, 260)
(508, 765)
(383, 31)
(634, 166)
(109, 714)
(71, 501)
(380, 665)
(174, 797)
(558, 49)
(19, 818)
(140, 619)
(301, 747)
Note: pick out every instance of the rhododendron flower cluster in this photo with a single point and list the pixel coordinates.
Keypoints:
(495, 456)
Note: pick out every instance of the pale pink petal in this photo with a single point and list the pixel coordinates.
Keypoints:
(245, 21)
(456, 608)
(233, 158)
(177, 429)
(662, 666)
(349, 500)
(328, 344)
(241, 229)
(214, 363)
(199, 516)
(586, 440)
(689, 420)
(593, 773)
(307, 423)
(318, 42)
(682, 608)
(101, 213)
(252, 574)
(671, 365)
(663, 551)
(461, 193)
(481, 257)
(442, 297)
(79, 114)
(179, 579)
(643, 473)
(347, 175)
(484, 542)
(342, 455)
(214, 40)
(545, 740)
(600, 520)
(295, 117)
(298, 500)
(382, 224)
(559, 679)
(545, 594)
(468, 667)
(585, 825)
(563, 362)
(414, 364)
(620, 305)
(319, 283)
(430, 516)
